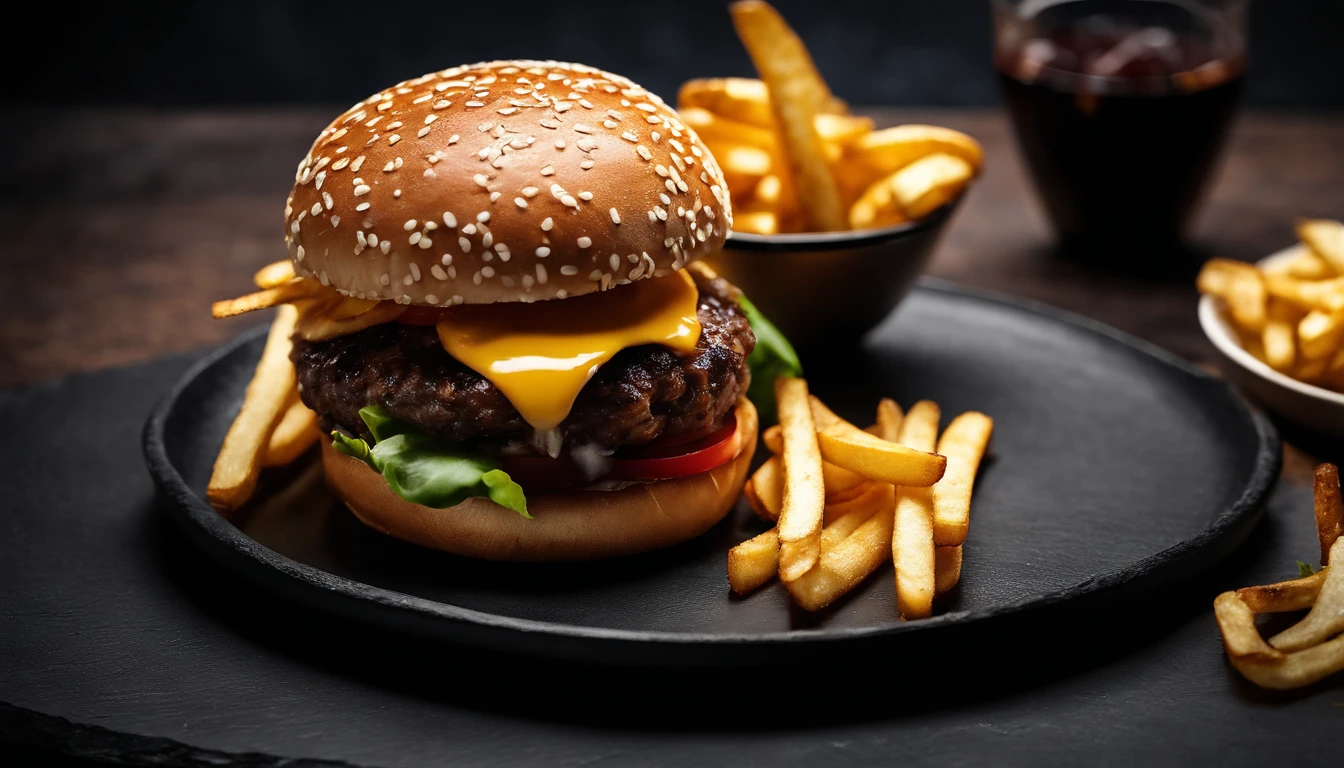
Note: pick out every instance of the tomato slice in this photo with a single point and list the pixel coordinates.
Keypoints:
(420, 315)
(654, 462)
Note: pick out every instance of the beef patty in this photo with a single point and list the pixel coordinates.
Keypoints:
(641, 394)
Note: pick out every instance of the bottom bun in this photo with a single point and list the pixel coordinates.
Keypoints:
(574, 525)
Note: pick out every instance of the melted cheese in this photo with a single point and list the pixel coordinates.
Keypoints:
(540, 355)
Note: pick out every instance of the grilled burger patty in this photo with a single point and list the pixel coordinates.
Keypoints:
(642, 394)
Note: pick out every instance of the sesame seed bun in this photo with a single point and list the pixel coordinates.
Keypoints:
(576, 525)
(504, 181)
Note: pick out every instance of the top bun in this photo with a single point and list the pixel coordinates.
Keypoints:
(504, 181)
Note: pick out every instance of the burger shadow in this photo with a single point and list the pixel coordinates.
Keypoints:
(949, 669)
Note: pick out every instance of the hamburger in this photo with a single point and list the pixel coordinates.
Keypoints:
(501, 324)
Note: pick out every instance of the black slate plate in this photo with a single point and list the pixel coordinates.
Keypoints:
(1118, 470)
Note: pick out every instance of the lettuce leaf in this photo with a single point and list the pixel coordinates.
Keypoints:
(773, 357)
(426, 470)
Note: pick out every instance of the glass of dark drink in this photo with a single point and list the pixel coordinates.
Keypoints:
(1120, 108)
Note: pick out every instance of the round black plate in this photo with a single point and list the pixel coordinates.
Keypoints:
(1116, 470)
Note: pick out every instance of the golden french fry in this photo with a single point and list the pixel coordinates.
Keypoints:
(930, 183)
(239, 461)
(715, 129)
(1329, 508)
(1305, 264)
(842, 130)
(889, 417)
(1263, 664)
(804, 494)
(756, 222)
(349, 306)
(858, 498)
(315, 324)
(1326, 618)
(1327, 295)
(1326, 239)
(797, 95)
(742, 99)
(877, 207)
(1295, 595)
(884, 152)
(849, 562)
(754, 562)
(947, 569)
(768, 487)
(963, 443)
(912, 548)
(1240, 286)
(1279, 343)
(1320, 334)
(743, 165)
(273, 274)
(293, 436)
(269, 297)
(1310, 371)
(877, 459)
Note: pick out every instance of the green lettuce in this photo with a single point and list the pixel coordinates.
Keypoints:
(773, 357)
(426, 470)
(1304, 569)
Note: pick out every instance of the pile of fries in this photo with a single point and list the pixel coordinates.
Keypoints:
(1290, 313)
(1312, 649)
(274, 428)
(795, 159)
(846, 500)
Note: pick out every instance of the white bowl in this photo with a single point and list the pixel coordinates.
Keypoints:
(1313, 408)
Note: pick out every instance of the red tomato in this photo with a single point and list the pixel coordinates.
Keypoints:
(653, 462)
(418, 315)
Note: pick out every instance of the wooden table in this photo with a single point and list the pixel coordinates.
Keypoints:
(120, 227)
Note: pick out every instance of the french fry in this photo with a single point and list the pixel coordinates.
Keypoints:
(877, 207)
(946, 569)
(963, 443)
(884, 152)
(1285, 596)
(768, 487)
(797, 95)
(1326, 239)
(839, 130)
(1327, 295)
(1305, 264)
(1265, 665)
(273, 274)
(1280, 344)
(850, 562)
(1329, 508)
(1326, 617)
(860, 498)
(754, 562)
(837, 479)
(912, 548)
(1320, 334)
(756, 222)
(264, 299)
(1240, 286)
(315, 324)
(744, 100)
(293, 436)
(239, 462)
(929, 183)
(804, 494)
(877, 459)
(889, 417)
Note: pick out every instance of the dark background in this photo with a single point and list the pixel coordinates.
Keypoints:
(920, 52)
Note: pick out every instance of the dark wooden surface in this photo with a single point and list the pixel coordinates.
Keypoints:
(120, 227)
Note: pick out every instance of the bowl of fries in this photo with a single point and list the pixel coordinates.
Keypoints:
(832, 219)
(1278, 326)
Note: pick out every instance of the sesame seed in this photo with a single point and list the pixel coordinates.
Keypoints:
(362, 207)
(644, 152)
(547, 170)
(581, 128)
(495, 196)
(358, 162)
(425, 243)
(438, 272)
(546, 224)
(585, 104)
(547, 122)
(317, 208)
(609, 124)
(406, 280)
(655, 136)
(542, 253)
(488, 271)
(362, 189)
(541, 273)
(464, 244)
(483, 216)
(529, 191)
(339, 164)
(586, 164)
(396, 193)
(481, 179)
(442, 103)
(469, 229)
(585, 242)
(666, 200)
(630, 137)
(476, 278)
(431, 298)
(474, 104)
(520, 202)
(562, 106)
(335, 220)
(453, 139)
(415, 238)
(394, 125)
(508, 110)
(361, 238)
(615, 217)
(423, 99)
(420, 134)
(569, 270)
(373, 240)
(450, 220)
(559, 143)
(385, 279)
(415, 272)
(585, 196)
(299, 253)
(430, 174)
(389, 167)
(569, 201)
(393, 139)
